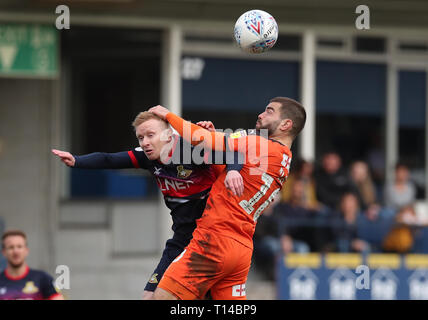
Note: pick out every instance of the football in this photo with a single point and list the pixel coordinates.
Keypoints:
(256, 31)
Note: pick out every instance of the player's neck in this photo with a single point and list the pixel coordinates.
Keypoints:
(283, 139)
(16, 272)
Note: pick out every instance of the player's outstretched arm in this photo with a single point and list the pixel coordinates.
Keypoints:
(191, 132)
(100, 160)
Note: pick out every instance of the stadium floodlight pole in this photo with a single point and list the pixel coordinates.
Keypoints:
(170, 98)
(307, 142)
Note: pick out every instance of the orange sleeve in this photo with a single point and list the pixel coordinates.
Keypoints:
(196, 134)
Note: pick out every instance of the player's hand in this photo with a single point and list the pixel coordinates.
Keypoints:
(234, 182)
(65, 157)
(160, 111)
(206, 125)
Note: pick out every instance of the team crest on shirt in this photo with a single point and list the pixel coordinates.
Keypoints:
(183, 173)
(30, 288)
(154, 278)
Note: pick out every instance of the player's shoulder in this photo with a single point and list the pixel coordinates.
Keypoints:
(278, 148)
(243, 133)
(40, 274)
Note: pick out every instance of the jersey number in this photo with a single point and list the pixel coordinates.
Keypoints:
(248, 205)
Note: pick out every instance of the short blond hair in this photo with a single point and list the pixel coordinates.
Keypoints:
(145, 116)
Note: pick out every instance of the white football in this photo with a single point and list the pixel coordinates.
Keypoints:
(256, 31)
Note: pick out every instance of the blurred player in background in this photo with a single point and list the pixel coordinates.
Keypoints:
(18, 281)
(185, 184)
(218, 257)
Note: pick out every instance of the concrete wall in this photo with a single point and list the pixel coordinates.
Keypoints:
(110, 247)
(25, 174)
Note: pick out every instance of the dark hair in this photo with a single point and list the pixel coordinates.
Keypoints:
(291, 109)
(401, 165)
(298, 164)
(13, 233)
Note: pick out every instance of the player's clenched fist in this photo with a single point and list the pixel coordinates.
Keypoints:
(65, 157)
(234, 182)
(160, 111)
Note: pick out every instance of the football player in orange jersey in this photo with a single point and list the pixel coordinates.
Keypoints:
(218, 257)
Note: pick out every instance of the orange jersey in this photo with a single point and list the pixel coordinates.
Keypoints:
(218, 169)
(266, 167)
(264, 173)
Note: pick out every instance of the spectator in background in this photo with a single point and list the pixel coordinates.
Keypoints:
(303, 172)
(402, 192)
(331, 181)
(282, 230)
(346, 226)
(3, 261)
(292, 239)
(362, 184)
(400, 239)
(18, 281)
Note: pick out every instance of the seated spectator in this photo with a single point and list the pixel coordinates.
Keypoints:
(373, 225)
(400, 239)
(289, 236)
(302, 171)
(402, 192)
(362, 184)
(265, 241)
(346, 231)
(331, 181)
(18, 281)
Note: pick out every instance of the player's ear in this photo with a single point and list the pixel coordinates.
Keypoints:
(286, 125)
(166, 135)
(169, 134)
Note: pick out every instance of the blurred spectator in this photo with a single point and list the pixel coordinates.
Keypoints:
(291, 237)
(347, 239)
(302, 171)
(286, 220)
(373, 226)
(402, 192)
(3, 261)
(18, 281)
(331, 181)
(400, 238)
(362, 184)
(265, 241)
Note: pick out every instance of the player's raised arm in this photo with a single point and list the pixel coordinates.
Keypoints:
(191, 132)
